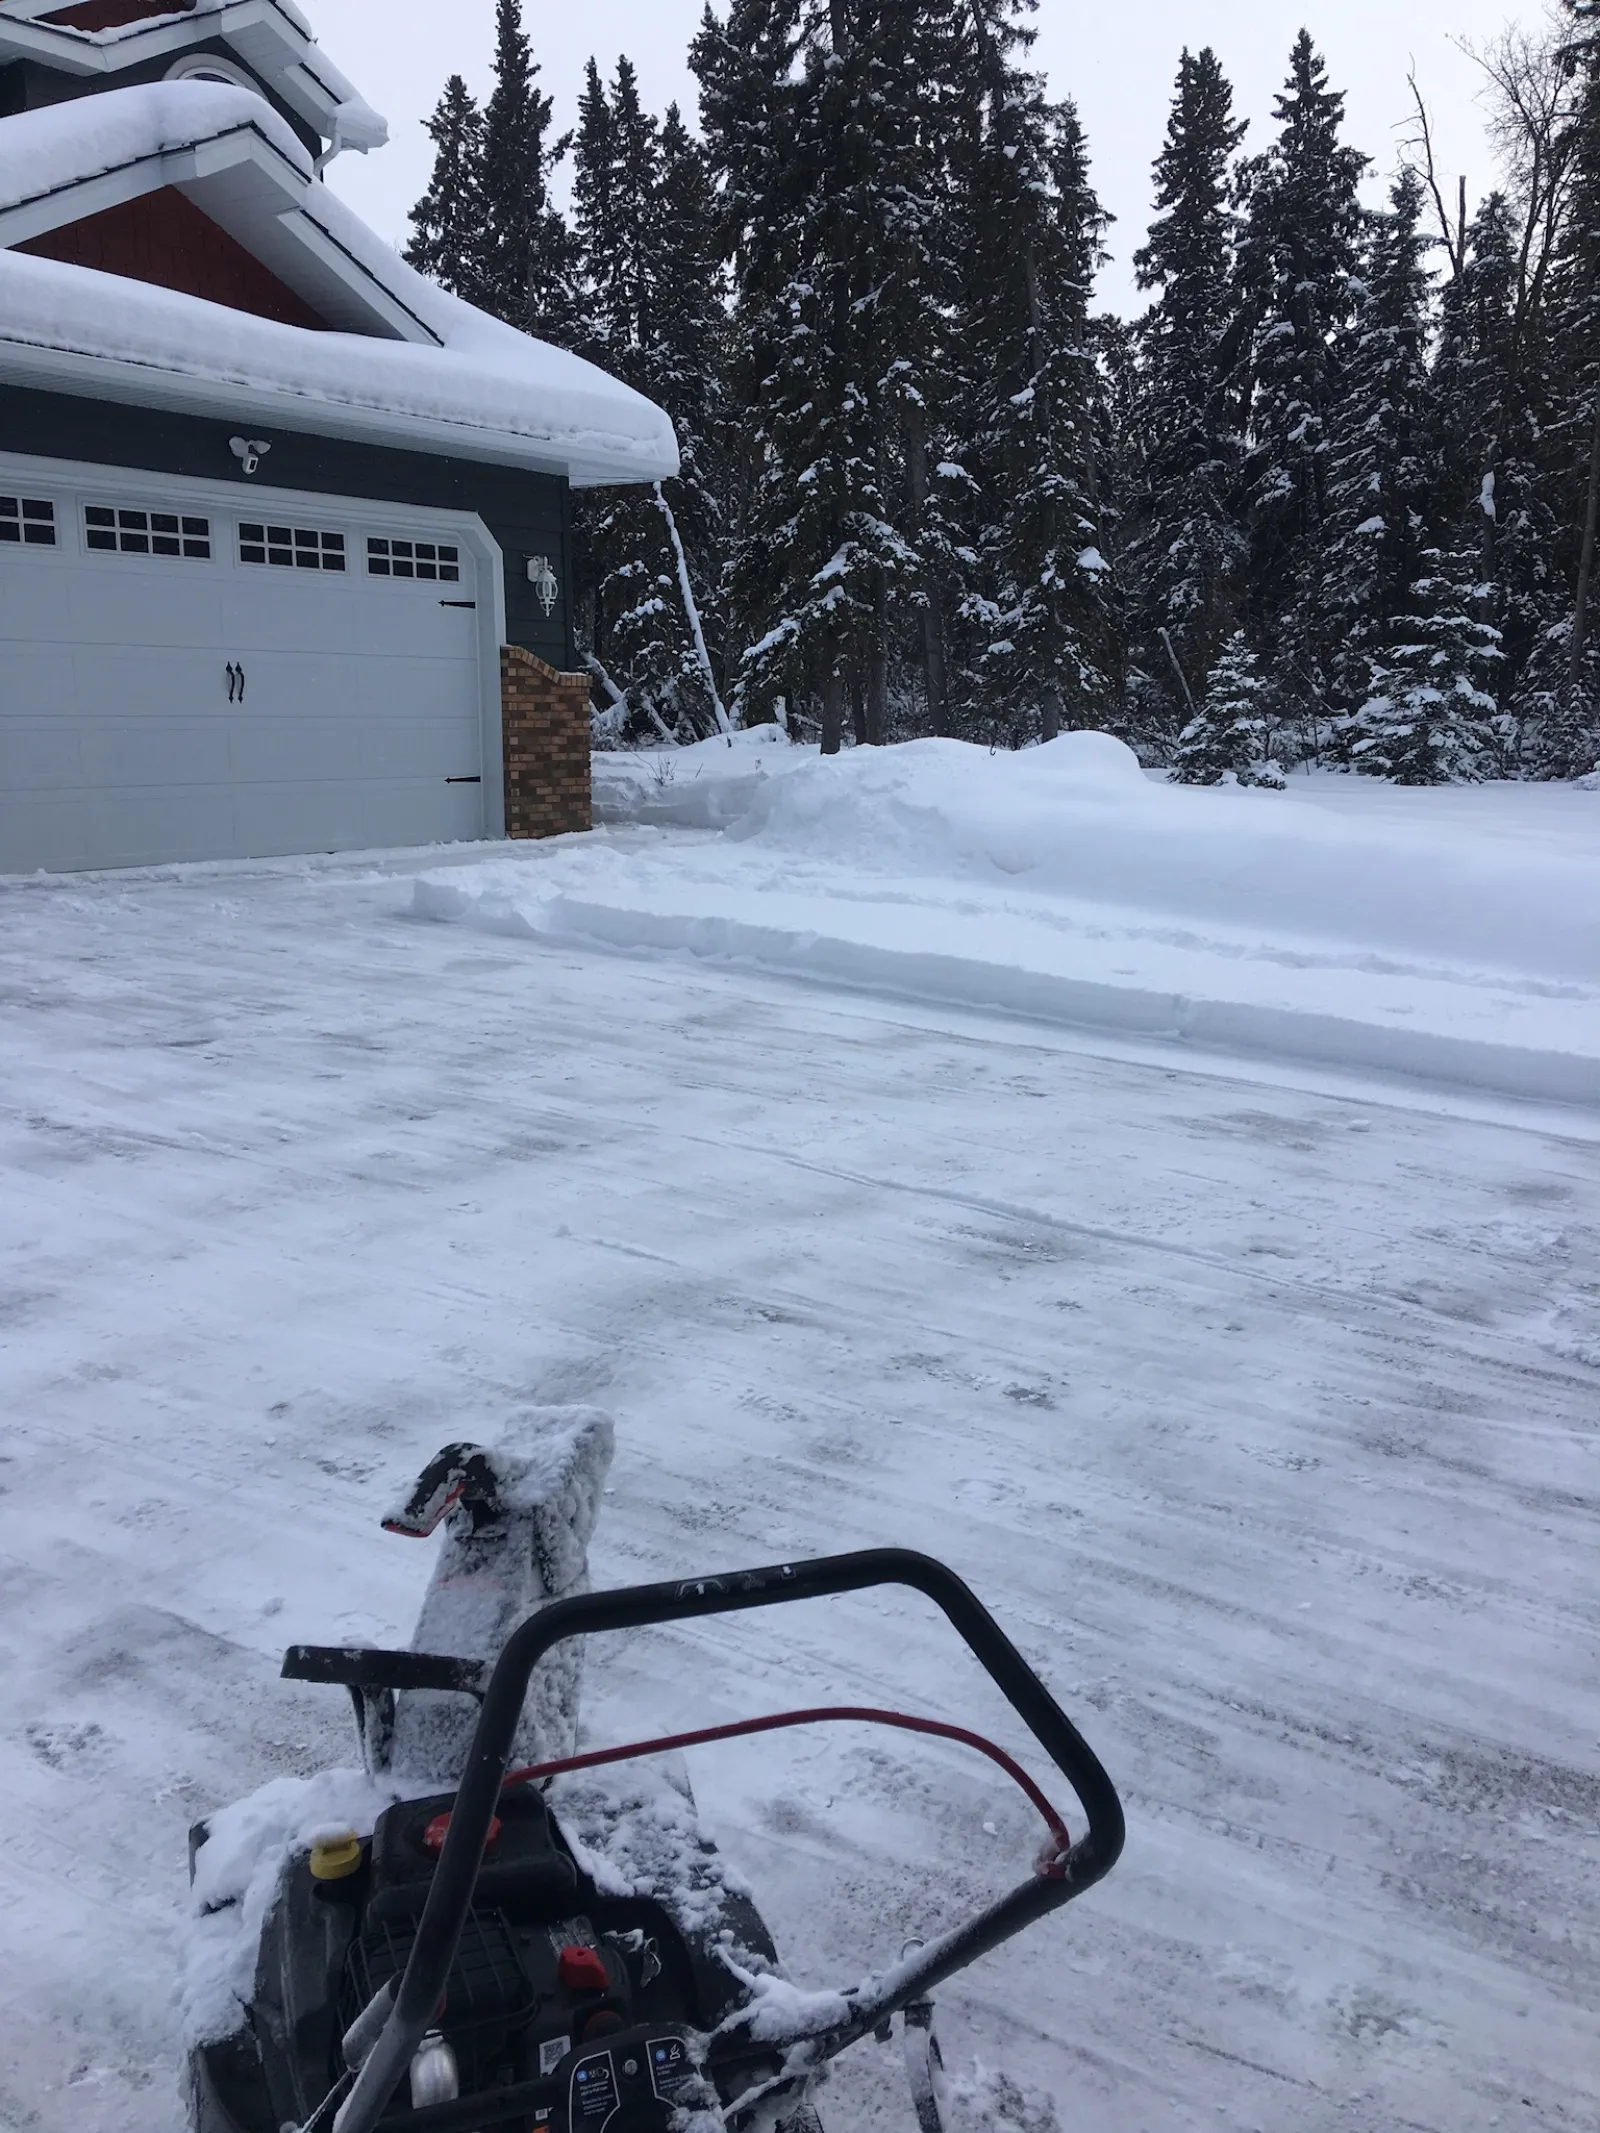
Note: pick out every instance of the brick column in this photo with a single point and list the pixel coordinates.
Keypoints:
(547, 735)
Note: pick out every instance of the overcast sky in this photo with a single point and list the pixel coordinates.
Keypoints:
(1116, 57)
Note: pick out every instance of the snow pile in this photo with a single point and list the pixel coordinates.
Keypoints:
(1078, 817)
(984, 2099)
(705, 787)
(1454, 936)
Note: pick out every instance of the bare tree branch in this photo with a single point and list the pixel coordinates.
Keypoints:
(1531, 101)
(1419, 141)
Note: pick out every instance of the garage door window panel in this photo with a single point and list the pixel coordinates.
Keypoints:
(27, 522)
(112, 530)
(430, 562)
(292, 548)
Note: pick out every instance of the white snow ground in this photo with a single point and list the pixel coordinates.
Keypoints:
(1263, 1406)
(1454, 935)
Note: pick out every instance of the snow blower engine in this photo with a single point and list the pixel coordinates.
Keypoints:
(470, 1965)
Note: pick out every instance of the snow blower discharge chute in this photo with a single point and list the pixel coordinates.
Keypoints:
(470, 1965)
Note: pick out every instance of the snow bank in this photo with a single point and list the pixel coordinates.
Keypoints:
(1452, 937)
(1079, 818)
(705, 787)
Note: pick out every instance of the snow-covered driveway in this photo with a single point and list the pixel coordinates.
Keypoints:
(1266, 1417)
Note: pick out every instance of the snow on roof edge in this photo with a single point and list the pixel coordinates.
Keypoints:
(355, 122)
(485, 389)
(54, 146)
(197, 357)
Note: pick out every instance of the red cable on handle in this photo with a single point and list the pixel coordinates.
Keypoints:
(1052, 1857)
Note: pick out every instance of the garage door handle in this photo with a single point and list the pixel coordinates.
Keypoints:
(235, 676)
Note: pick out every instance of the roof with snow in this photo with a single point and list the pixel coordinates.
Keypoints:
(271, 37)
(405, 364)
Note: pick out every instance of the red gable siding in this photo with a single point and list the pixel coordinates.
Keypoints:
(114, 14)
(164, 238)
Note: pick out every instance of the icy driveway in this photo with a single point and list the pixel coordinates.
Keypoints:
(1266, 1419)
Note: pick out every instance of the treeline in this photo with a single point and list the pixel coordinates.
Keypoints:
(1331, 498)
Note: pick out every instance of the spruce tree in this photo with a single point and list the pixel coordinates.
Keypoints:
(1377, 488)
(527, 255)
(686, 310)
(915, 55)
(1043, 615)
(1563, 715)
(1227, 738)
(596, 214)
(835, 332)
(1472, 410)
(1298, 256)
(1190, 551)
(651, 281)
(1433, 716)
(447, 222)
(750, 100)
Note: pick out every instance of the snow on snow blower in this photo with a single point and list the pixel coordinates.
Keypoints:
(443, 1955)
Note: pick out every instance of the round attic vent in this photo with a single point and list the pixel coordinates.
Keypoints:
(205, 66)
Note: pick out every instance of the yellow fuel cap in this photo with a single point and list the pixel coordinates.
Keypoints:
(335, 1855)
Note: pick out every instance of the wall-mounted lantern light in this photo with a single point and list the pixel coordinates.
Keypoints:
(542, 577)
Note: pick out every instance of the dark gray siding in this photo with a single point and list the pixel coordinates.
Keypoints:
(528, 514)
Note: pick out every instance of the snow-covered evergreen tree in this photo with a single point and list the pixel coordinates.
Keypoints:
(1377, 488)
(1043, 613)
(687, 316)
(918, 69)
(447, 222)
(1227, 738)
(1190, 552)
(1433, 717)
(1297, 261)
(646, 224)
(833, 334)
(527, 258)
(597, 214)
(1473, 379)
(1562, 716)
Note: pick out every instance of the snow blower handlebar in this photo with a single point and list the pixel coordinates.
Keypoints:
(643, 1606)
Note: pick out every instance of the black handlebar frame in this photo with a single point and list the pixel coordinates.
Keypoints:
(643, 1606)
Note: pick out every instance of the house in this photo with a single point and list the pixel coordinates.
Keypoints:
(284, 530)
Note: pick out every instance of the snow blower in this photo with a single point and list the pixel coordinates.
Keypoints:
(473, 1963)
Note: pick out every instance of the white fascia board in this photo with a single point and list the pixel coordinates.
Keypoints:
(364, 295)
(105, 378)
(147, 174)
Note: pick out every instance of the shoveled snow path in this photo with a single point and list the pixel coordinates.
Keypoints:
(1265, 1416)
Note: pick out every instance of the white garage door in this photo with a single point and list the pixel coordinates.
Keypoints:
(182, 679)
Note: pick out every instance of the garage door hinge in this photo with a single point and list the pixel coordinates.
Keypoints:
(463, 781)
